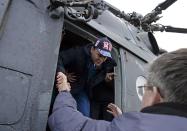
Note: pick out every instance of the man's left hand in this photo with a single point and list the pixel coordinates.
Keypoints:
(109, 76)
(114, 110)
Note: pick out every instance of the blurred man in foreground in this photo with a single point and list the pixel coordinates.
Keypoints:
(164, 102)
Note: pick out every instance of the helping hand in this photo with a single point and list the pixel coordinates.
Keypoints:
(62, 83)
(109, 76)
(114, 110)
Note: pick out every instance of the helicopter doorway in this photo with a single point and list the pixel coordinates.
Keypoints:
(103, 93)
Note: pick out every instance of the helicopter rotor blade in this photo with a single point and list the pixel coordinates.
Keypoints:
(164, 5)
(153, 16)
(175, 30)
(159, 27)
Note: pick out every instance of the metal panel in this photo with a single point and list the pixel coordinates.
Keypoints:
(123, 80)
(29, 45)
(117, 70)
(13, 95)
(3, 9)
(6, 128)
(133, 67)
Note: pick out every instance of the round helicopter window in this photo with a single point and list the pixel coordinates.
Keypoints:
(140, 81)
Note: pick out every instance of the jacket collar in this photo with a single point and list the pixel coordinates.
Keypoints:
(176, 109)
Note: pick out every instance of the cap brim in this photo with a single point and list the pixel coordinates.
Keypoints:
(104, 53)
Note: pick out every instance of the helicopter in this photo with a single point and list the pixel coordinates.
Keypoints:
(32, 32)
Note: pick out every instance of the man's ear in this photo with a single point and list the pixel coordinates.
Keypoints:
(156, 96)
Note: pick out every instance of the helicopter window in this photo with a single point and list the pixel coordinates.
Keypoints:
(140, 81)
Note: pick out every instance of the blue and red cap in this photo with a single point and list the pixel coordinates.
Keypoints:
(104, 46)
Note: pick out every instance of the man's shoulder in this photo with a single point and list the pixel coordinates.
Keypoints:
(83, 49)
(75, 51)
(136, 117)
(146, 121)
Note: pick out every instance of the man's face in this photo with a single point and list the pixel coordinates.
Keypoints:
(146, 101)
(97, 58)
(151, 96)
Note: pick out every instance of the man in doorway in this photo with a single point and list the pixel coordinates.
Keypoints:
(101, 91)
(164, 102)
(80, 64)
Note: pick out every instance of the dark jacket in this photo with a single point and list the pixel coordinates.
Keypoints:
(65, 117)
(76, 60)
(99, 90)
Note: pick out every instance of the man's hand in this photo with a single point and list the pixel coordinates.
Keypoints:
(59, 78)
(109, 76)
(114, 110)
(62, 83)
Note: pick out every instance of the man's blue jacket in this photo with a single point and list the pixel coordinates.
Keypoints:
(161, 117)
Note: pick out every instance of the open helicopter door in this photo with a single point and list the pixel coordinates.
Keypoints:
(133, 74)
(29, 45)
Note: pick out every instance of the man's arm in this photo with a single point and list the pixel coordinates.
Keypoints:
(65, 58)
(65, 116)
(108, 66)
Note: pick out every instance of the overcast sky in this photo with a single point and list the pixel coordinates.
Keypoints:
(175, 16)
